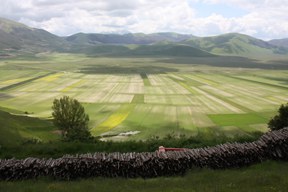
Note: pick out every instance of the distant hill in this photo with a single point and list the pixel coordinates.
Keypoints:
(101, 49)
(16, 36)
(235, 44)
(7, 39)
(177, 50)
(137, 44)
(280, 42)
(169, 50)
(130, 38)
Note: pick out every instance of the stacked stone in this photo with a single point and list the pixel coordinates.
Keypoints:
(272, 145)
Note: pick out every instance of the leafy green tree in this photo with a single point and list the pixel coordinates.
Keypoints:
(70, 117)
(280, 120)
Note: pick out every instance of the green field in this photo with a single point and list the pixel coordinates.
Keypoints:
(145, 97)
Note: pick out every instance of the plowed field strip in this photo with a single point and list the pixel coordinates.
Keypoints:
(145, 79)
(236, 105)
(23, 82)
(76, 84)
(184, 84)
(138, 98)
(259, 82)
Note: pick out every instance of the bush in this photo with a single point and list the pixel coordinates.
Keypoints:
(280, 120)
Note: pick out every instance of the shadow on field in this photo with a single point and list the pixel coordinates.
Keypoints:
(283, 62)
(4, 96)
(103, 69)
(283, 81)
(234, 62)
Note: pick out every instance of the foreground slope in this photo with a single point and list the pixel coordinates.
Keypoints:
(18, 128)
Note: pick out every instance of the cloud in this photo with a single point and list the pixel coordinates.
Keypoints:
(248, 4)
(263, 18)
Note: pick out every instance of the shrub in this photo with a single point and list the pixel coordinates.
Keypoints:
(280, 120)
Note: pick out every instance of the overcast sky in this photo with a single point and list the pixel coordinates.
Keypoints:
(265, 19)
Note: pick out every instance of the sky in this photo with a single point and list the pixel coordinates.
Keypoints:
(264, 19)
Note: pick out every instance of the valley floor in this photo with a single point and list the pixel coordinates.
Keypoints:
(203, 98)
(145, 97)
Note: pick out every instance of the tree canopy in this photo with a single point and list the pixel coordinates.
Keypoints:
(70, 117)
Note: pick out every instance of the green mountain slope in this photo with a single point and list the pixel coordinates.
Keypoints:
(7, 39)
(237, 45)
(16, 36)
(153, 50)
(130, 38)
(169, 50)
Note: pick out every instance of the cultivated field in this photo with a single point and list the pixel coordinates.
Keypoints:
(144, 97)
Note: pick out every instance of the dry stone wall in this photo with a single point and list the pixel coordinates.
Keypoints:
(271, 146)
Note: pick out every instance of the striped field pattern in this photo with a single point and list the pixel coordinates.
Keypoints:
(213, 101)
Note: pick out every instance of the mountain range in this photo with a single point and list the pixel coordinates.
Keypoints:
(18, 38)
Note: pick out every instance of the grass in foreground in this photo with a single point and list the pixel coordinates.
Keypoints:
(268, 176)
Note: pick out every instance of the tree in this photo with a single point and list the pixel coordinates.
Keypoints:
(280, 120)
(69, 116)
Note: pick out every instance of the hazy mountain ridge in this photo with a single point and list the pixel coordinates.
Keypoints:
(235, 44)
(130, 38)
(279, 42)
(142, 50)
(17, 36)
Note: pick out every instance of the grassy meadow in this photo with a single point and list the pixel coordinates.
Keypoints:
(139, 98)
